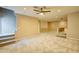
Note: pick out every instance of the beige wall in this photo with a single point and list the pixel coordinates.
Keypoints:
(43, 26)
(62, 24)
(73, 25)
(26, 26)
(53, 26)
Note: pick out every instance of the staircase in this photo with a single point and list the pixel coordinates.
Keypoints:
(7, 39)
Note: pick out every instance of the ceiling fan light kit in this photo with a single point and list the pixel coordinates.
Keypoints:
(41, 13)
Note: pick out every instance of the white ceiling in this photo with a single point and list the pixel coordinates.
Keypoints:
(56, 11)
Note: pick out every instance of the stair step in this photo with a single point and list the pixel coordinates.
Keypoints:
(2, 44)
(6, 39)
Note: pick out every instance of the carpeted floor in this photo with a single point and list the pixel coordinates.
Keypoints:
(44, 42)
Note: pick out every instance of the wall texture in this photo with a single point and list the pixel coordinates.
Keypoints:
(43, 26)
(73, 25)
(26, 26)
(62, 24)
(53, 26)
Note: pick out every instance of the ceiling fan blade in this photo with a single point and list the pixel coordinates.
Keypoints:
(35, 6)
(41, 10)
(37, 10)
(44, 7)
(45, 11)
(37, 13)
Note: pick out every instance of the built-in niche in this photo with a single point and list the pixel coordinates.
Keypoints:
(62, 29)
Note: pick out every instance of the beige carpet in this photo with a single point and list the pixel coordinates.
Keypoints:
(44, 42)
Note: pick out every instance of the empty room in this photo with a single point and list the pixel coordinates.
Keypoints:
(39, 29)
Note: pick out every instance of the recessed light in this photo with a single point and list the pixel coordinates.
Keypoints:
(24, 8)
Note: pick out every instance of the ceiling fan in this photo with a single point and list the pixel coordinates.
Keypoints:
(41, 10)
